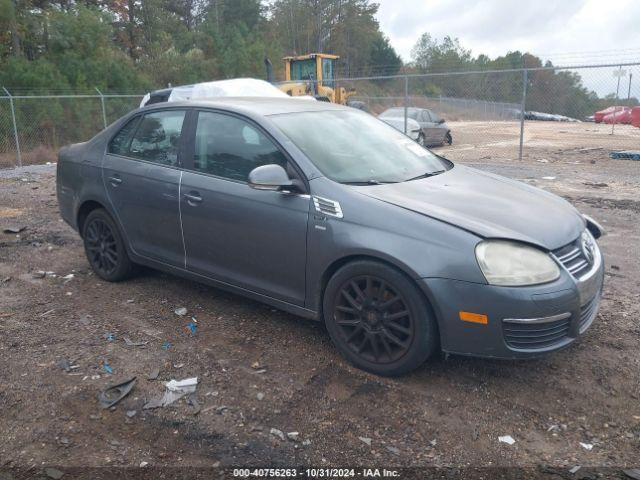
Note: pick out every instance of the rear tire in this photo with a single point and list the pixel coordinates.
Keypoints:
(105, 247)
(378, 318)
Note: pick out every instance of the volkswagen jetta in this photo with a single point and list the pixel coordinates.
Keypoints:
(329, 213)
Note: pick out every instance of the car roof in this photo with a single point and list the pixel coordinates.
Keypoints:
(256, 105)
(409, 109)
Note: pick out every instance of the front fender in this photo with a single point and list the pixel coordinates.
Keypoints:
(420, 246)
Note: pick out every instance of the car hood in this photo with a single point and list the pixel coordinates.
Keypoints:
(487, 205)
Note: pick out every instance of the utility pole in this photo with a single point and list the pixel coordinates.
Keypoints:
(619, 74)
(523, 105)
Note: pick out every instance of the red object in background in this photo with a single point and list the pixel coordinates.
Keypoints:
(599, 115)
(635, 117)
(621, 116)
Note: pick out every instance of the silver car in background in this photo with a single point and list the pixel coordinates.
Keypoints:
(432, 128)
(413, 127)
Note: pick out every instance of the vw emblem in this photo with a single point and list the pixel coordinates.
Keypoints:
(587, 248)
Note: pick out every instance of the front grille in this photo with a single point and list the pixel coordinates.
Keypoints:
(534, 336)
(588, 312)
(573, 258)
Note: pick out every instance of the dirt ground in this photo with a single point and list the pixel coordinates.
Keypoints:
(261, 369)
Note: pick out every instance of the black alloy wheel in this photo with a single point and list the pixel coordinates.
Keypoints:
(104, 247)
(101, 246)
(378, 318)
(374, 319)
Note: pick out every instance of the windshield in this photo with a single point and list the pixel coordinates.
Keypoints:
(354, 147)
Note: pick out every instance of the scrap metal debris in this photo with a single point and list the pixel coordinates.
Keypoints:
(113, 394)
(508, 439)
(14, 229)
(277, 433)
(131, 343)
(182, 311)
(366, 440)
(155, 373)
(586, 446)
(394, 450)
(175, 390)
(107, 368)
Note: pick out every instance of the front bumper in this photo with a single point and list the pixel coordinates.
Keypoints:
(522, 322)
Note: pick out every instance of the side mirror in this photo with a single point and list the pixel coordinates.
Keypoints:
(270, 177)
(441, 120)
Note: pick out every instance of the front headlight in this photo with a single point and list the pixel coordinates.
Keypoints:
(514, 264)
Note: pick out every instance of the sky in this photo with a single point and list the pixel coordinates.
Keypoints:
(567, 32)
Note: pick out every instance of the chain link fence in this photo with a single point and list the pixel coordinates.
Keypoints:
(34, 127)
(511, 114)
(497, 114)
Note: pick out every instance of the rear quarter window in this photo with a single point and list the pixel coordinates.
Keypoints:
(119, 144)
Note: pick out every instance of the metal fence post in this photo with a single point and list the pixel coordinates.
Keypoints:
(406, 102)
(104, 112)
(15, 126)
(615, 108)
(522, 107)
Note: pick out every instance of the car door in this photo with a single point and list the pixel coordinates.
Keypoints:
(436, 132)
(427, 127)
(253, 239)
(141, 175)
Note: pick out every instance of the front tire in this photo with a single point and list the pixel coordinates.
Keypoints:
(448, 138)
(105, 248)
(378, 318)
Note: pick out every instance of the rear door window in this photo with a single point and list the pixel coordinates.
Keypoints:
(157, 138)
(229, 147)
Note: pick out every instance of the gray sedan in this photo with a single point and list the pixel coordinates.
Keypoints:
(328, 213)
(433, 129)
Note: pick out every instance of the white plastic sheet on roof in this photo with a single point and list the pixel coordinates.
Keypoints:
(237, 87)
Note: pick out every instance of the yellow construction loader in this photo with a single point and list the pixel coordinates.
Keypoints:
(311, 75)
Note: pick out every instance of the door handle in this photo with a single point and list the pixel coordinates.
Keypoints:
(193, 198)
(115, 180)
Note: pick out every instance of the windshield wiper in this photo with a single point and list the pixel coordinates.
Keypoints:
(368, 182)
(426, 175)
